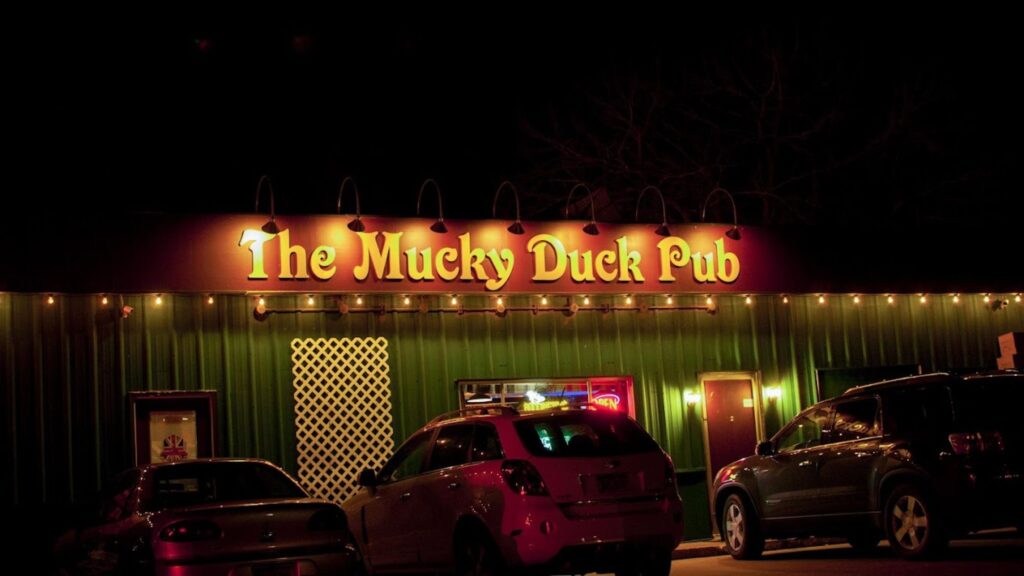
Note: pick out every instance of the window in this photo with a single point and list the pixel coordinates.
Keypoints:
(452, 446)
(923, 412)
(805, 431)
(486, 445)
(409, 460)
(584, 433)
(855, 420)
(203, 482)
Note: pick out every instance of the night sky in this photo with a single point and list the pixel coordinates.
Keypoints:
(862, 118)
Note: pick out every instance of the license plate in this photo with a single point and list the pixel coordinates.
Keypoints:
(275, 570)
(611, 482)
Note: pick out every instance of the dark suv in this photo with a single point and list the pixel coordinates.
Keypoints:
(917, 460)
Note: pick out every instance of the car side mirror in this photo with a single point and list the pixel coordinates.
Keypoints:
(764, 449)
(368, 478)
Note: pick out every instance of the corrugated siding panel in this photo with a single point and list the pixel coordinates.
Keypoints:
(67, 366)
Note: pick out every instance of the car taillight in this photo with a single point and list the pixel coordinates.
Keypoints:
(968, 443)
(190, 531)
(523, 477)
(330, 519)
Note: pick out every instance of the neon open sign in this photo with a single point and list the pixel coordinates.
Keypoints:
(609, 401)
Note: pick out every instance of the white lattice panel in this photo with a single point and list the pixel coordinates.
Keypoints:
(342, 411)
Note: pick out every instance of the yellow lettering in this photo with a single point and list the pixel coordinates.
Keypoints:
(503, 264)
(383, 259)
(287, 251)
(472, 260)
(704, 273)
(446, 255)
(629, 262)
(256, 238)
(727, 258)
(587, 272)
(541, 272)
(675, 253)
(606, 257)
(322, 262)
(417, 272)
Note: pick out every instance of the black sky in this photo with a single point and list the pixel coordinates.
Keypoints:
(183, 112)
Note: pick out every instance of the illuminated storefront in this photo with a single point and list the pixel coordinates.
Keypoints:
(689, 332)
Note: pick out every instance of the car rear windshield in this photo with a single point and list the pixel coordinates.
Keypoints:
(989, 403)
(583, 434)
(203, 483)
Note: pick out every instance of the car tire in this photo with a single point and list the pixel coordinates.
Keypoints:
(864, 541)
(741, 529)
(477, 555)
(653, 562)
(912, 524)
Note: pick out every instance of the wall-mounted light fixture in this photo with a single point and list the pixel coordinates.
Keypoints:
(355, 225)
(271, 226)
(439, 225)
(734, 233)
(591, 227)
(662, 229)
(517, 226)
(772, 393)
(691, 397)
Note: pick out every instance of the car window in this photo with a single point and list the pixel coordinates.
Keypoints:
(409, 460)
(854, 420)
(583, 433)
(486, 445)
(805, 431)
(193, 483)
(452, 446)
(922, 412)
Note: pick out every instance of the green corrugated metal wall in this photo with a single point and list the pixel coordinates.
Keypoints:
(67, 366)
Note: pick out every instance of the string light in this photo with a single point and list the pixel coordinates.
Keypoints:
(406, 300)
(309, 300)
(956, 298)
(501, 301)
(586, 300)
(785, 299)
(987, 299)
(159, 300)
(1017, 298)
(455, 300)
(821, 299)
(544, 300)
(359, 300)
(856, 299)
(924, 299)
(104, 301)
(629, 299)
(709, 301)
(209, 300)
(749, 301)
(262, 302)
(668, 299)
(49, 300)
(890, 299)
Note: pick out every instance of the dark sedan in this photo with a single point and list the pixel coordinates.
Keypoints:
(217, 516)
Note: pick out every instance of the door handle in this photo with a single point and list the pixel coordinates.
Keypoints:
(454, 485)
(404, 495)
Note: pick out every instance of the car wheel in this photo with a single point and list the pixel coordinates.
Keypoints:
(476, 555)
(864, 541)
(911, 523)
(741, 529)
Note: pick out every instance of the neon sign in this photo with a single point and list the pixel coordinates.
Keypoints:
(609, 401)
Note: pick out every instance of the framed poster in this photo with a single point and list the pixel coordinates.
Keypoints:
(172, 426)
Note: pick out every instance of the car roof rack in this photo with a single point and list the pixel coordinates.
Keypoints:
(498, 409)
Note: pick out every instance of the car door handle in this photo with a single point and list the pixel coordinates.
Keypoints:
(454, 485)
(404, 495)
